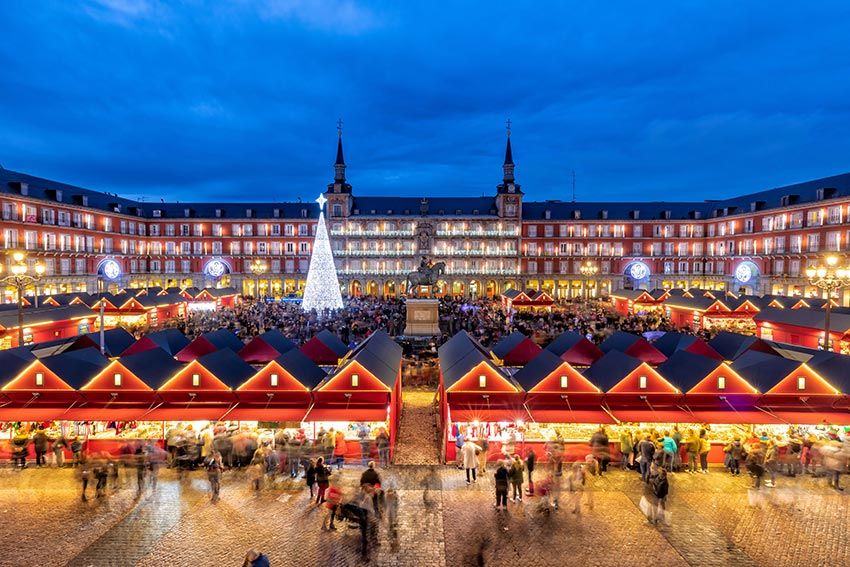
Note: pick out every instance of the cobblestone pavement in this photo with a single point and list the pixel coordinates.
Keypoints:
(418, 437)
(716, 520)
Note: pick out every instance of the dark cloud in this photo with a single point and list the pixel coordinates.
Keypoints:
(215, 101)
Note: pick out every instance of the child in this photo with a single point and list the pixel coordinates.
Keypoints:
(333, 498)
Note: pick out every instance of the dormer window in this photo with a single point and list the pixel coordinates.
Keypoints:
(801, 382)
(273, 380)
(355, 380)
(482, 381)
(39, 378)
(721, 382)
(157, 213)
(196, 380)
(642, 382)
(564, 382)
(116, 379)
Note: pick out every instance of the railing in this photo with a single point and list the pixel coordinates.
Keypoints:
(378, 233)
(461, 232)
(394, 253)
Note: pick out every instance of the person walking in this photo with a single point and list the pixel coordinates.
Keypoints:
(576, 481)
(482, 455)
(19, 448)
(40, 444)
(626, 445)
(339, 449)
(530, 461)
(372, 480)
(693, 444)
(382, 441)
(771, 462)
(333, 499)
(323, 474)
(310, 476)
(646, 453)
(214, 466)
(704, 449)
(84, 476)
(59, 451)
(517, 468)
(660, 488)
(459, 441)
(736, 454)
(501, 476)
(363, 434)
(600, 450)
(469, 457)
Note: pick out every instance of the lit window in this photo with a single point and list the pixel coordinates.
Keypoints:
(721, 382)
(117, 379)
(563, 382)
(642, 382)
(196, 380)
(274, 380)
(355, 380)
(801, 382)
(482, 381)
(39, 378)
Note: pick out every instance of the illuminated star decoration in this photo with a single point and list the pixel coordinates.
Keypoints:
(321, 200)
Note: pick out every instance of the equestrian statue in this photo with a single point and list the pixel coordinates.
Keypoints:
(428, 274)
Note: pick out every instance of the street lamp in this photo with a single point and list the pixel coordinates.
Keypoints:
(19, 278)
(588, 270)
(258, 267)
(830, 278)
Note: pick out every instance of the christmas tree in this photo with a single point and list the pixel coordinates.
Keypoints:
(322, 289)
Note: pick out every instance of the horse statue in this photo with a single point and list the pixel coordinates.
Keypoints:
(425, 276)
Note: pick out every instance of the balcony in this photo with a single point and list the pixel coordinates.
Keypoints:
(473, 233)
(373, 233)
(373, 253)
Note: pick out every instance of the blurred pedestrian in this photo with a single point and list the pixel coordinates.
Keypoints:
(501, 477)
(333, 499)
(517, 477)
(254, 558)
(323, 474)
(310, 476)
(214, 466)
(382, 440)
(40, 444)
(482, 455)
(530, 461)
(469, 457)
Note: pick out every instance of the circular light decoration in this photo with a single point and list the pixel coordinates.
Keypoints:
(745, 272)
(110, 269)
(638, 271)
(215, 268)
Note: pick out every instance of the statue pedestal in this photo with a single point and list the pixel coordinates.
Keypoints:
(423, 318)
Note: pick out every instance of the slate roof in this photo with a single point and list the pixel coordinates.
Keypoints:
(762, 370)
(835, 369)
(277, 340)
(812, 318)
(224, 339)
(635, 345)
(301, 368)
(115, 341)
(13, 361)
(333, 342)
(685, 370)
(76, 367)
(609, 370)
(40, 188)
(40, 315)
(537, 369)
(459, 355)
(575, 349)
(171, 341)
(732, 345)
(672, 342)
(153, 366)
(380, 355)
(226, 365)
(509, 344)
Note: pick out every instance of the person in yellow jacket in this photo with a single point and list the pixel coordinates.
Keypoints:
(693, 445)
(704, 448)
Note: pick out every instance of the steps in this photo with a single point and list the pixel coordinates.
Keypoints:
(418, 442)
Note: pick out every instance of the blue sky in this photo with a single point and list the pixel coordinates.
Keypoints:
(221, 100)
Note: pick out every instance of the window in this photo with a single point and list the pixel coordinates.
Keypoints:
(39, 378)
(564, 382)
(355, 380)
(196, 380)
(273, 380)
(801, 382)
(482, 381)
(721, 382)
(116, 379)
(642, 382)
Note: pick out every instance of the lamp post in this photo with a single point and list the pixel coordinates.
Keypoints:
(588, 270)
(19, 278)
(830, 278)
(258, 267)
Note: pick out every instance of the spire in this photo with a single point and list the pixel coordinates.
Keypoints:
(508, 166)
(339, 164)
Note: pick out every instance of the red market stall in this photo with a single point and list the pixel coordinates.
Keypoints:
(115, 341)
(478, 398)
(635, 301)
(211, 298)
(732, 345)
(171, 341)
(325, 348)
(266, 347)
(515, 349)
(672, 342)
(42, 324)
(208, 343)
(279, 391)
(804, 327)
(515, 299)
(575, 349)
(364, 389)
(632, 345)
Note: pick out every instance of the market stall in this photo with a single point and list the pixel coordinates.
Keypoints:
(210, 342)
(266, 347)
(361, 396)
(115, 341)
(325, 348)
(44, 324)
(636, 301)
(632, 345)
(477, 397)
(805, 327)
(672, 342)
(732, 345)
(575, 349)
(171, 341)
(515, 349)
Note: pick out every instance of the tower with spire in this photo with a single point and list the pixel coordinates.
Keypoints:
(339, 192)
(508, 192)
